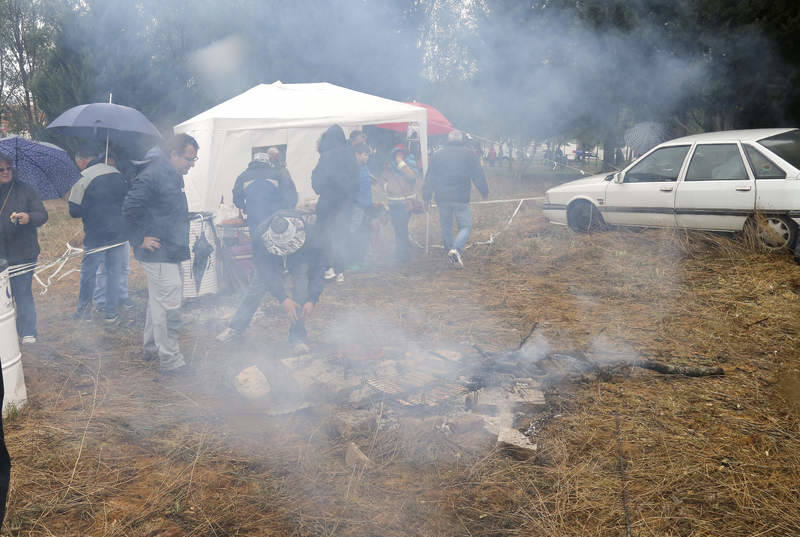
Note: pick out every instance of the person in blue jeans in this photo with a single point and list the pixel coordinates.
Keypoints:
(124, 275)
(285, 240)
(360, 222)
(452, 172)
(97, 199)
(21, 213)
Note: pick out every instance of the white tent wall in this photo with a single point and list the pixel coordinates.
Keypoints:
(277, 114)
(300, 162)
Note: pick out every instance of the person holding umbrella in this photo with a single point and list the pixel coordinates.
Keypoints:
(157, 215)
(21, 213)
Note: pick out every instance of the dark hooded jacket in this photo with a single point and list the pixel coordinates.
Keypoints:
(335, 177)
(156, 206)
(262, 190)
(450, 173)
(19, 243)
(97, 198)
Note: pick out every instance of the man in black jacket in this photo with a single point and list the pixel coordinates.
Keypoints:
(261, 190)
(285, 236)
(157, 215)
(97, 199)
(451, 173)
(335, 179)
(21, 212)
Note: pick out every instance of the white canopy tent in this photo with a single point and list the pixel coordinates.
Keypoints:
(294, 115)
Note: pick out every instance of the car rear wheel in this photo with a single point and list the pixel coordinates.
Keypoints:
(583, 217)
(771, 232)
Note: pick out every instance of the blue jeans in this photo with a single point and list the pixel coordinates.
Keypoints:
(463, 216)
(23, 302)
(113, 259)
(255, 294)
(100, 283)
(398, 211)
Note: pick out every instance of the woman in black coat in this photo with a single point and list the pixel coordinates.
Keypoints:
(21, 212)
(335, 179)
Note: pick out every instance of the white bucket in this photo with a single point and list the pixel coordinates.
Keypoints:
(201, 223)
(13, 380)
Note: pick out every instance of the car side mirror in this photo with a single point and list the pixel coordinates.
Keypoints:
(619, 177)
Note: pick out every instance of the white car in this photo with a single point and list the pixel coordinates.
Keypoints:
(716, 181)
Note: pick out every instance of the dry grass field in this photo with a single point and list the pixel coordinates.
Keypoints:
(108, 447)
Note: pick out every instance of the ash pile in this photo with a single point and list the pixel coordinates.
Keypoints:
(472, 397)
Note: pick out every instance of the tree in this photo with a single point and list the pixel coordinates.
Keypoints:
(27, 35)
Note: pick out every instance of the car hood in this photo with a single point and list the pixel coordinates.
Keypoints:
(580, 184)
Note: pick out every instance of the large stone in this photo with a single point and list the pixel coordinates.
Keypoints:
(453, 356)
(516, 444)
(524, 397)
(319, 373)
(463, 423)
(351, 423)
(252, 384)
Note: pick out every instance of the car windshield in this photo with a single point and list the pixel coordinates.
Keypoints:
(786, 146)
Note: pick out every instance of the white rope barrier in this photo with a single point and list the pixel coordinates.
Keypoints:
(59, 263)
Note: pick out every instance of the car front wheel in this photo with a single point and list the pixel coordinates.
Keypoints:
(583, 217)
(771, 232)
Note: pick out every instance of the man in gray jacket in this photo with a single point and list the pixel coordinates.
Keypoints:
(157, 214)
(452, 171)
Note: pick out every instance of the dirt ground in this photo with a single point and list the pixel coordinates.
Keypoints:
(107, 446)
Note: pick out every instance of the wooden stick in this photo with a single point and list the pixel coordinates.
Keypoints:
(526, 338)
(688, 371)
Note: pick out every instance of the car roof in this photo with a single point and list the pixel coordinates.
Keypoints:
(746, 135)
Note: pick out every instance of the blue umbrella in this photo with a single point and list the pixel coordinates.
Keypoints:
(116, 122)
(45, 167)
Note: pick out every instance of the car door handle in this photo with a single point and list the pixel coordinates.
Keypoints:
(744, 188)
(666, 189)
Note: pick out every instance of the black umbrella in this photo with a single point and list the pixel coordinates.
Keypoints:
(121, 124)
(201, 250)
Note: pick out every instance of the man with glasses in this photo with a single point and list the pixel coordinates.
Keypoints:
(158, 219)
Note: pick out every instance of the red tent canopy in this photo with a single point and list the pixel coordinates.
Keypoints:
(437, 123)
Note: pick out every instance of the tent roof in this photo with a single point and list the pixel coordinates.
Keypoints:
(310, 103)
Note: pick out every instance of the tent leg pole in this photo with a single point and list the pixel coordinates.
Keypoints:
(427, 231)
(109, 102)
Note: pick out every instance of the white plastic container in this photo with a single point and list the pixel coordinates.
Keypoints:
(11, 358)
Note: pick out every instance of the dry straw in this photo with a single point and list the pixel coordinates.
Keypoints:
(117, 451)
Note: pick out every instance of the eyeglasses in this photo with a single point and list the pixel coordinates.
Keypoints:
(189, 159)
(4, 170)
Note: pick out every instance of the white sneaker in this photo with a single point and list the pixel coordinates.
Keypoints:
(340, 277)
(330, 274)
(28, 339)
(301, 348)
(455, 258)
(227, 334)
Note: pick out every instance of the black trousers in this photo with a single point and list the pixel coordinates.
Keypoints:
(5, 462)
